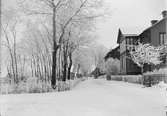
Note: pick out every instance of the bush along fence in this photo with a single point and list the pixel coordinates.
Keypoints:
(147, 79)
(126, 78)
(34, 86)
(152, 79)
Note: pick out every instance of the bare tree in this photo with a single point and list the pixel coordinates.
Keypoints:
(64, 13)
(98, 53)
(10, 35)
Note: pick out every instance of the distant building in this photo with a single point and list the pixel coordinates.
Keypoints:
(114, 53)
(97, 72)
(155, 35)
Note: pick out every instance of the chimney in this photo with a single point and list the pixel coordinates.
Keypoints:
(153, 22)
(164, 13)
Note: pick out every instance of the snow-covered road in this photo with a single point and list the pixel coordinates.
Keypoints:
(89, 98)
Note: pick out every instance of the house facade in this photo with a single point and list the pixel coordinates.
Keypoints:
(154, 35)
(126, 42)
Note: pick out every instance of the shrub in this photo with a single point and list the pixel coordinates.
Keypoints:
(112, 66)
(155, 76)
(116, 78)
(31, 85)
(108, 77)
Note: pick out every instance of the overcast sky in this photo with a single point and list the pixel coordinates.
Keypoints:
(133, 15)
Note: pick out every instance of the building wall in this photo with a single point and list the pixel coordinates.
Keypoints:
(123, 55)
(155, 38)
(128, 66)
(156, 30)
(145, 37)
(152, 36)
(132, 68)
(122, 46)
(123, 63)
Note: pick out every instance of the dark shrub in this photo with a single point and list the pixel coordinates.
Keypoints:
(108, 77)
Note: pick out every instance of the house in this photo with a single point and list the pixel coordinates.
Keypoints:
(114, 53)
(155, 35)
(126, 41)
(97, 72)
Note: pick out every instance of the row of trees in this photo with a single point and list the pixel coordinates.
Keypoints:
(42, 36)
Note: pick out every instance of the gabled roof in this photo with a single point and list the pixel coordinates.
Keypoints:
(127, 32)
(127, 35)
(114, 53)
(154, 25)
(131, 30)
(119, 35)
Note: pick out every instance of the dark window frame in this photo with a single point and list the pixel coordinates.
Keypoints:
(163, 35)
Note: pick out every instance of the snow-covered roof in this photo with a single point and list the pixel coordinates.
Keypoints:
(130, 34)
(154, 25)
(131, 31)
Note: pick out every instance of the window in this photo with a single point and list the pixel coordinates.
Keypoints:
(123, 63)
(162, 38)
(127, 41)
(131, 41)
(123, 46)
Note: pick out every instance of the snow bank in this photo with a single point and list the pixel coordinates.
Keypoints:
(163, 87)
(94, 97)
(34, 86)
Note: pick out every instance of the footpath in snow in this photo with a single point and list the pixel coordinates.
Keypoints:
(95, 97)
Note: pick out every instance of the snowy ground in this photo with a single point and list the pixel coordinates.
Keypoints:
(89, 98)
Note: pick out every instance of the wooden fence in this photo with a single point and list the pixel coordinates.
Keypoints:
(152, 79)
(146, 79)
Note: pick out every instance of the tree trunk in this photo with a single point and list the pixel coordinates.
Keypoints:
(59, 64)
(65, 66)
(55, 48)
(53, 79)
(142, 74)
(15, 60)
(78, 68)
(70, 65)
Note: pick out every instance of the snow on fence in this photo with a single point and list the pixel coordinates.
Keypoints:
(156, 76)
(146, 79)
(127, 78)
(153, 79)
